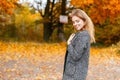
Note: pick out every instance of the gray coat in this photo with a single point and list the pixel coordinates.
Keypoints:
(77, 57)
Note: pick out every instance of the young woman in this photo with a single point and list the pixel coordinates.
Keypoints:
(78, 48)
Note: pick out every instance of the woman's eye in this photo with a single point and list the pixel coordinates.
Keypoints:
(77, 21)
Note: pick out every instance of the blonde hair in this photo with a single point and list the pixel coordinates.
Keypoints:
(89, 24)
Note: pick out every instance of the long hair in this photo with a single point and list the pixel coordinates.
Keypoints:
(89, 24)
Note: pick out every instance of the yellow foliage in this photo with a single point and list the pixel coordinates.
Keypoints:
(81, 2)
(31, 49)
(100, 8)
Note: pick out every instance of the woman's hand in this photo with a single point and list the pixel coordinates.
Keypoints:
(70, 38)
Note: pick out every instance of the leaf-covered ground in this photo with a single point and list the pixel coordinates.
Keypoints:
(42, 61)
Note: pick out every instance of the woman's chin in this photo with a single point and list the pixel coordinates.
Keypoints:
(77, 29)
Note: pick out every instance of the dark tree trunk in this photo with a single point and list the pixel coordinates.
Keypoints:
(60, 26)
(48, 25)
(47, 31)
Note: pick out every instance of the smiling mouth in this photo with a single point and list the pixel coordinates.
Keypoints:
(77, 26)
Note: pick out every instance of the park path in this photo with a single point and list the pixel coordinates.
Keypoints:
(50, 67)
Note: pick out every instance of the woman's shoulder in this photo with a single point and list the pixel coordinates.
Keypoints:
(82, 33)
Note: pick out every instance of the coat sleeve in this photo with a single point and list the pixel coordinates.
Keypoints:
(80, 45)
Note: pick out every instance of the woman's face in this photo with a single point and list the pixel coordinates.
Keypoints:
(78, 23)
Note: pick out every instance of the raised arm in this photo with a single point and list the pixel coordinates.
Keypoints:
(81, 42)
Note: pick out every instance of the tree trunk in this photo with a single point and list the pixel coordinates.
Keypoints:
(60, 26)
(48, 25)
(47, 31)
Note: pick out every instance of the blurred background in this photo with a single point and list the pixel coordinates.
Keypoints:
(33, 35)
(39, 20)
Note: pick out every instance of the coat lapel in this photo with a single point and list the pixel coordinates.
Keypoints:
(73, 40)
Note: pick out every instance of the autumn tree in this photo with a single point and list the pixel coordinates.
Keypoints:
(100, 10)
(51, 15)
(6, 17)
(25, 23)
(6, 6)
